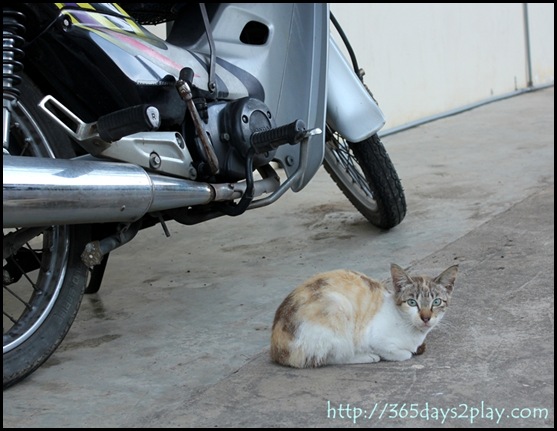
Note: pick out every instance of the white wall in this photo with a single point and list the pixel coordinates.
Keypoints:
(542, 41)
(424, 59)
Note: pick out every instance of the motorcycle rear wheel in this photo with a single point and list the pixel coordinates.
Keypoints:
(44, 278)
(367, 177)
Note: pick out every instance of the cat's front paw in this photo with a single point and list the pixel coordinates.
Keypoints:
(420, 350)
(364, 358)
(397, 355)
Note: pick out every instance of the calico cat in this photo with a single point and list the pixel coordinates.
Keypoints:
(345, 317)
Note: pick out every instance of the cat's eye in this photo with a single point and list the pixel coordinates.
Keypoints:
(436, 302)
(412, 302)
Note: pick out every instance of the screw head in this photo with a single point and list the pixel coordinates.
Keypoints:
(154, 160)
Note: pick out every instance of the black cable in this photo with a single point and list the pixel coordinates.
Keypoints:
(347, 44)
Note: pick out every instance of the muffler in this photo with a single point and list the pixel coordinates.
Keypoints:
(45, 191)
(40, 191)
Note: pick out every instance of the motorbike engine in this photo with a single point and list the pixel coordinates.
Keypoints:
(229, 126)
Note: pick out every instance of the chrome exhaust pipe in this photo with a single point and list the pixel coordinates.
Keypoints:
(45, 191)
(41, 191)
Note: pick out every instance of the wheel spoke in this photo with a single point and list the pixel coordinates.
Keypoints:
(346, 159)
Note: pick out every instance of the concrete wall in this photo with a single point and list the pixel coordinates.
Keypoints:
(426, 59)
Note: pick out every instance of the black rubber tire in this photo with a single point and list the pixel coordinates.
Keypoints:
(367, 177)
(53, 279)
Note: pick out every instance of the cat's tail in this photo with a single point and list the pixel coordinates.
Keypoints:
(290, 351)
(285, 351)
(280, 345)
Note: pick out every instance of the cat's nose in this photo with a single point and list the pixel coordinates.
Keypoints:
(426, 318)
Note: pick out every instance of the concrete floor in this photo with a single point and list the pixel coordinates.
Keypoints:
(178, 335)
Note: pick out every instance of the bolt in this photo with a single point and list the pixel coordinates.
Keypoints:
(180, 141)
(289, 160)
(154, 160)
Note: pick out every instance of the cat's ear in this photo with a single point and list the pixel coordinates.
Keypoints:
(400, 278)
(447, 278)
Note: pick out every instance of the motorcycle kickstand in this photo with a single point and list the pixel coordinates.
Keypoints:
(96, 276)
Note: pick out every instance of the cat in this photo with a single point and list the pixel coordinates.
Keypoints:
(346, 317)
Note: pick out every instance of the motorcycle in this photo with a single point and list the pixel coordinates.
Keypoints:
(109, 129)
